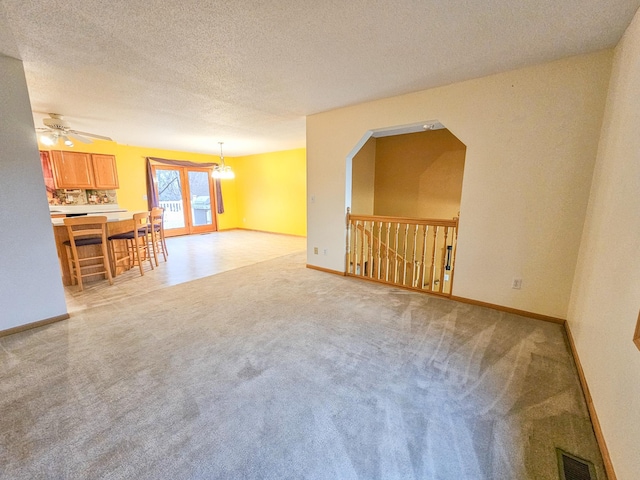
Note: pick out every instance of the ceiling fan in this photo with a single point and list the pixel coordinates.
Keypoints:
(57, 128)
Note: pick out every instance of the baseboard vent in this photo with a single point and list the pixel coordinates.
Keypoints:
(574, 468)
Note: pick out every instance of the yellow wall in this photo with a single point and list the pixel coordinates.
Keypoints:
(268, 193)
(272, 191)
(131, 164)
(419, 175)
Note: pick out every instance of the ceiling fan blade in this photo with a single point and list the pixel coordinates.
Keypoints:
(92, 135)
(73, 134)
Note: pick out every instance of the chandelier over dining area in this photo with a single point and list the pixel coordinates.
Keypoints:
(222, 171)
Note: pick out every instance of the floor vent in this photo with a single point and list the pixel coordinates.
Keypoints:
(574, 468)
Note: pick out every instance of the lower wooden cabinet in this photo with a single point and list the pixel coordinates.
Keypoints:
(84, 170)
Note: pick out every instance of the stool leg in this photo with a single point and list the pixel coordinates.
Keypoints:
(154, 246)
(162, 245)
(130, 254)
(165, 252)
(149, 252)
(106, 263)
(70, 262)
(78, 271)
(139, 257)
(113, 258)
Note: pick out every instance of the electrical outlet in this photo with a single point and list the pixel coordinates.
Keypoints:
(517, 283)
(315, 250)
(324, 251)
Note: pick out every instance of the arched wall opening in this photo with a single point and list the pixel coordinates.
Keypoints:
(411, 171)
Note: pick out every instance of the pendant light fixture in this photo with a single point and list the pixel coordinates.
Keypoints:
(222, 171)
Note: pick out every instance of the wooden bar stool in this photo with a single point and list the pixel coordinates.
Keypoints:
(157, 233)
(136, 243)
(86, 232)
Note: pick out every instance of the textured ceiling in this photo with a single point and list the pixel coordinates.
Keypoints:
(185, 75)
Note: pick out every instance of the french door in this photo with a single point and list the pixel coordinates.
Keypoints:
(187, 196)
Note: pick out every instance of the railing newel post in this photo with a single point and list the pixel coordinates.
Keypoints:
(348, 255)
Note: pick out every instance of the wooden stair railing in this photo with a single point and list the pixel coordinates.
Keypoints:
(418, 254)
(376, 252)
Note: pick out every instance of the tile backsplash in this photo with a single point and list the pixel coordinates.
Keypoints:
(82, 197)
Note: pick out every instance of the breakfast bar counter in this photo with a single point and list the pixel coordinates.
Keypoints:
(117, 222)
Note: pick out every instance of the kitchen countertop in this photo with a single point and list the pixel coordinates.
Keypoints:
(119, 216)
(80, 209)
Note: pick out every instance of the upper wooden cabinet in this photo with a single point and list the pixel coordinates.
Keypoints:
(105, 174)
(84, 170)
(72, 169)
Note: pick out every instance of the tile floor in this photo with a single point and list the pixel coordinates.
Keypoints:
(190, 257)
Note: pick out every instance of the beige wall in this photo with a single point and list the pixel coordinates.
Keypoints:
(419, 175)
(606, 294)
(531, 138)
(30, 284)
(363, 169)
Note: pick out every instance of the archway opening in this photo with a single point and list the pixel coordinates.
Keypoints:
(415, 174)
(404, 187)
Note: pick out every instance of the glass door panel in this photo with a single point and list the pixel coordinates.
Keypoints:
(186, 194)
(200, 190)
(171, 198)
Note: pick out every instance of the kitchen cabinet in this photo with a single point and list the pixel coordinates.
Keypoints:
(72, 169)
(84, 170)
(105, 174)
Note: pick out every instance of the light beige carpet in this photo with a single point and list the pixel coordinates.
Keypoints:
(274, 371)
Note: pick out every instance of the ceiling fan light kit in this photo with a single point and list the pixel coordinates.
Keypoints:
(57, 128)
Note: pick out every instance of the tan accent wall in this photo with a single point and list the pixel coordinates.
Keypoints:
(363, 179)
(419, 175)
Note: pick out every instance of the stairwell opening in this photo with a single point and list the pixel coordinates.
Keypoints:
(414, 173)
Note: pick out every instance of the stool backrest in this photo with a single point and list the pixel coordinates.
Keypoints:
(141, 224)
(89, 226)
(157, 215)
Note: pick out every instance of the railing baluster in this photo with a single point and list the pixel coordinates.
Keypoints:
(444, 258)
(386, 254)
(454, 246)
(414, 280)
(371, 247)
(423, 261)
(355, 248)
(432, 273)
(404, 254)
(379, 263)
(395, 255)
(362, 245)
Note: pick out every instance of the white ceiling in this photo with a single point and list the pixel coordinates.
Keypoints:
(186, 74)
